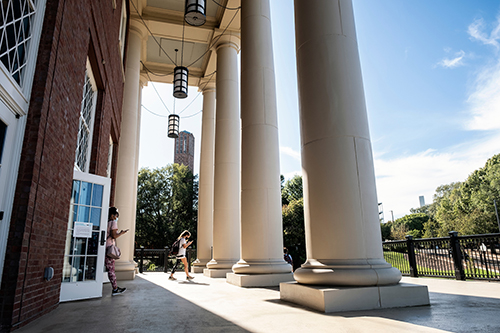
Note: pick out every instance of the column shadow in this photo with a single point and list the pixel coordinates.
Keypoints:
(144, 307)
(449, 312)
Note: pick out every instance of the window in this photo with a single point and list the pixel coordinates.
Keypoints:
(16, 24)
(110, 158)
(123, 28)
(85, 130)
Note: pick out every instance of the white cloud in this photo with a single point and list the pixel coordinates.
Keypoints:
(290, 152)
(453, 62)
(484, 100)
(400, 181)
(476, 31)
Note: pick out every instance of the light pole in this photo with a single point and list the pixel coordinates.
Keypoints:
(392, 214)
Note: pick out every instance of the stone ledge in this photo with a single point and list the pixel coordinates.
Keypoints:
(216, 273)
(258, 280)
(198, 269)
(339, 299)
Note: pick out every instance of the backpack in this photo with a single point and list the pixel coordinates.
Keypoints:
(288, 259)
(174, 249)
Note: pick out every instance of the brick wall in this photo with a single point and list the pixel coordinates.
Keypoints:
(73, 30)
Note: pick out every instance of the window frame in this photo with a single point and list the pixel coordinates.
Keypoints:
(123, 29)
(90, 125)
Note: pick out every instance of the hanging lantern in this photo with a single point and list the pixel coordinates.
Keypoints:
(195, 12)
(173, 126)
(180, 82)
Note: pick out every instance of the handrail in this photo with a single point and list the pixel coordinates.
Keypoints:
(460, 257)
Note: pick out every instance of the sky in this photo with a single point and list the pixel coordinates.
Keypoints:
(431, 73)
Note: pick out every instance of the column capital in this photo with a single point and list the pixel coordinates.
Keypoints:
(143, 80)
(138, 27)
(228, 39)
(207, 84)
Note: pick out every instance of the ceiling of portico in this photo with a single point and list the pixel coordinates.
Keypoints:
(168, 32)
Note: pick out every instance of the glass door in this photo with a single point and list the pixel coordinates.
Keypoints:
(86, 237)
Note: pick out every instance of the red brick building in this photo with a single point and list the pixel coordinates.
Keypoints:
(62, 79)
(184, 149)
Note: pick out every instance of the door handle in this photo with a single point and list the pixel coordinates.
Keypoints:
(103, 237)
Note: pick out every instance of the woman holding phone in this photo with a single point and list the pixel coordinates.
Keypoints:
(113, 234)
(181, 255)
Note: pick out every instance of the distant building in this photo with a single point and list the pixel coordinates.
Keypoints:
(422, 200)
(184, 150)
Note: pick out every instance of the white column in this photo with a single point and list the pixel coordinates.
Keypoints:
(226, 232)
(261, 261)
(126, 172)
(206, 182)
(343, 238)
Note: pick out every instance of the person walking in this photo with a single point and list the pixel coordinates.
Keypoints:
(287, 257)
(181, 255)
(113, 234)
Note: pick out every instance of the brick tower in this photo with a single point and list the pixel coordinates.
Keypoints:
(184, 149)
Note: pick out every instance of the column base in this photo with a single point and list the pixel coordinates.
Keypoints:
(258, 280)
(198, 269)
(216, 273)
(199, 265)
(350, 272)
(340, 299)
(125, 270)
(250, 267)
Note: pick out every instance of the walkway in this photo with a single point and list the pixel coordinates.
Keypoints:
(152, 303)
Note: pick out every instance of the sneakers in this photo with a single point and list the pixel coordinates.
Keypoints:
(172, 278)
(118, 291)
(189, 277)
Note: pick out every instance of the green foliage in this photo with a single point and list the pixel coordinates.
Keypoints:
(293, 230)
(386, 229)
(167, 200)
(431, 229)
(293, 218)
(291, 190)
(466, 207)
(412, 224)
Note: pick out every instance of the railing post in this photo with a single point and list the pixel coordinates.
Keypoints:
(457, 255)
(141, 266)
(188, 252)
(411, 256)
(165, 265)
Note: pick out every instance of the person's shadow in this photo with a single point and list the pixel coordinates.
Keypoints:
(193, 282)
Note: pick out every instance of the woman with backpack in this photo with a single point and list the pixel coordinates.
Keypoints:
(181, 255)
(113, 234)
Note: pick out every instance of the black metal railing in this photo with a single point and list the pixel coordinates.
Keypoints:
(158, 260)
(460, 257)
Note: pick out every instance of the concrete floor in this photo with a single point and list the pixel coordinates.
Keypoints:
(152, 303)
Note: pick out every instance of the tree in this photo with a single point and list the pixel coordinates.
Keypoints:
(431, 229)
(293, 230)
(386, 229)
(292, 190)
(167, 200)
(468, 208)
(413, 223)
